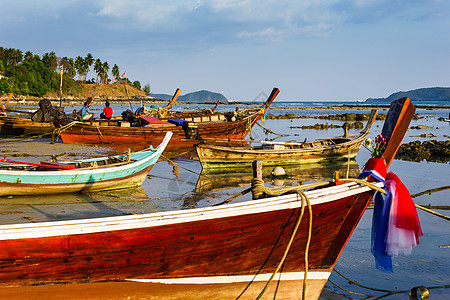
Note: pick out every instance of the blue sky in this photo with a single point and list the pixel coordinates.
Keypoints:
(310, 50)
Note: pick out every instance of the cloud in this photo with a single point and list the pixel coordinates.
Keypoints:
(184, 25)
(236, 21)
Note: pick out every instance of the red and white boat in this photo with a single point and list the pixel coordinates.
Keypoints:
(222, 252)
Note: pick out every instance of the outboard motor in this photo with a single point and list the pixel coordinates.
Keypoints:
(46, 113)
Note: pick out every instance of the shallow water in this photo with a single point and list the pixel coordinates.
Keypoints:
(179, 185)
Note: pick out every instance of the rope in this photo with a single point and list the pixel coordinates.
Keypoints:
(368, 184)
(259, 189)
(431, 191)
(100, 133)
(268, 130)
(381, 190)
(57, 132)
(350, 292)
(433, 212)
(304, 199)
(169, 160)
(412, 292)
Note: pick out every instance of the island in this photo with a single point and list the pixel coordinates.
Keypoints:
(197, 97)
(422, 94)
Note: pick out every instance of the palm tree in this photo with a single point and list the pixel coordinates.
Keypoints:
(50, 60)
(70, 71)
(17, 56)
(88, 61)
(105, 71)
(115, 73)
(28, 56)
(98, 65)
(79, 66)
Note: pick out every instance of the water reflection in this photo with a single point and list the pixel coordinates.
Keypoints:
(214, 180)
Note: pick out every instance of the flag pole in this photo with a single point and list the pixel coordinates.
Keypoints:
(60, 85)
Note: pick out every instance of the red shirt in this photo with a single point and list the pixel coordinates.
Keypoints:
(107, 111)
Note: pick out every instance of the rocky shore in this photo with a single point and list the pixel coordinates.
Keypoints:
(433, 151)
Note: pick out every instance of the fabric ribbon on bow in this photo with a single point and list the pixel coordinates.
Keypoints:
(395, 224)
(263, 113)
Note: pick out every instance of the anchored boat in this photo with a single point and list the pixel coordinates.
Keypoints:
(283, 153)
(186, 131)
(269, 246)
(95, 174)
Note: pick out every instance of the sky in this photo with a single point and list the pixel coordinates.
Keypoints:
(311, 50)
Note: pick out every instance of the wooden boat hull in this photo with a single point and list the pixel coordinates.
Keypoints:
(12, 126)
(23, 182)
(183, 136)
(318, 151)
(212, 156)
(222, 249)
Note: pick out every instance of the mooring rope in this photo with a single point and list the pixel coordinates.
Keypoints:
(366, 183)
(56, 133)
(304, 199)
(268, 130)
(433, 212)
(412, 292)
(259, 189)
(178, 165)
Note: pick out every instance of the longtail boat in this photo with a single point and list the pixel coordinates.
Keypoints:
(186, 133)
(225, 251)
(283, 153)
(21, 125)
(94, 174)
(27, 123)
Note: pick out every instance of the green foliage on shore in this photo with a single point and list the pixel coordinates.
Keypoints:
(423, 94)
(31, 75)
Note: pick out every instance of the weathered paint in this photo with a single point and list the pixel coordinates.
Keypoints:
(23, 126)
(59, 181)
(238, 241)
(326, 150)
(183, 137)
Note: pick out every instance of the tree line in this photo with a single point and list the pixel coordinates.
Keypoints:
(29, 74)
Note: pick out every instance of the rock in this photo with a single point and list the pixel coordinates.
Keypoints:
(436, 151)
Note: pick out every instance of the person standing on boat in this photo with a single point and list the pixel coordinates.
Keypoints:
(84, 112)
(107, 112)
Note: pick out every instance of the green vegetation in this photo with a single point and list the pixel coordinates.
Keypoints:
(31, 75)
(423, 94)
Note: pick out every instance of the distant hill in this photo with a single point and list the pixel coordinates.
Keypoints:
(423, 94)
(200, 96)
